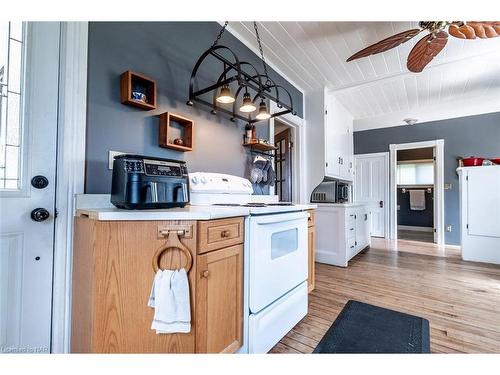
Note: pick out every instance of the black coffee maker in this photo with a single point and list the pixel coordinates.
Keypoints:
(143, 182)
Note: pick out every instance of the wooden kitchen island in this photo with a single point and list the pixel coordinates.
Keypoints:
(113, 271)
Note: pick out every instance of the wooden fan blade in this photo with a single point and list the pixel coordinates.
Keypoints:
(473, 30)
(485, 30)
(386, 44)
(425, 50)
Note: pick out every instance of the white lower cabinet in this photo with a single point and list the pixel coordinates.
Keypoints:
(480, 213)
(342, 231)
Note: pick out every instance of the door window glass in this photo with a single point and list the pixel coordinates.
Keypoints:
(12, 36)
(284, 242)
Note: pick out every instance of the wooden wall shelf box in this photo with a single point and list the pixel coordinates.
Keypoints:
(167, 123)
(130, 82)
(260, 146)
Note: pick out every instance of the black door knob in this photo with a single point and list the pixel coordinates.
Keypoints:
(39, 214)
(39, 182)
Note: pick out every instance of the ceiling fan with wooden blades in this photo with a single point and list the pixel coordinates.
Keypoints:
(430, 45)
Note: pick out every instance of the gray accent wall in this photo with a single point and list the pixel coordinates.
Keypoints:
(473, 135)
(165, 52)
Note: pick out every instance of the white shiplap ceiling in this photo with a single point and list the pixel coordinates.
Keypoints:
(379, 91)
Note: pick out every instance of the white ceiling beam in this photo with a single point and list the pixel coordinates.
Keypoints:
(402, 75)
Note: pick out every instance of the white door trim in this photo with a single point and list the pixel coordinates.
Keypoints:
(386, 179)
(70, 171)
(438, 144)
(296, 124)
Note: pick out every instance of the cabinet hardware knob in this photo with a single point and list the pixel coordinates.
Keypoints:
(205, 273)
(224, 233)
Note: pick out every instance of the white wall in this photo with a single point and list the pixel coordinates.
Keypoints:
(315, 138)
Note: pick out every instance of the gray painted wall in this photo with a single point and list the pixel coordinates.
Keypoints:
(166, 52)
(473, 135)
(406, 216)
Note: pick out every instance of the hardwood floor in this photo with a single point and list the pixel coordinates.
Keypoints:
(460, 299)
(414, 235)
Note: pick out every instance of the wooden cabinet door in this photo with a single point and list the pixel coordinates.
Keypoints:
(219, 301)
(311, 258)
(114, 275)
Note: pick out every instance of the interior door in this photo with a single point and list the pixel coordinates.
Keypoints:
(283, 167)
(29, 72)
(372, 181)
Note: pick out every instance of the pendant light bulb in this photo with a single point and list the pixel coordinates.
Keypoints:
(263, 113)
(225, 95)
(247, 105)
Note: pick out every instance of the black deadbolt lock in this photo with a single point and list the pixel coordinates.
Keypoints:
(39, 182)
(39, 214)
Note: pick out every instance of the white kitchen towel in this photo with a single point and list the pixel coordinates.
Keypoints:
(170, 299)
(417, 200)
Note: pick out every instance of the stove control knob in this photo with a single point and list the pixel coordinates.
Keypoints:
(203, 180)
(194, 180)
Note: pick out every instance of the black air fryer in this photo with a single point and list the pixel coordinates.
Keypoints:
(143, 182)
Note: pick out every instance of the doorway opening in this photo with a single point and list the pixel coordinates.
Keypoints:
(417, 191)
(415, 194)
(283, 162)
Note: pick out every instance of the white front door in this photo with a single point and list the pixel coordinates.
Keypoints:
(29, 73)
(371, 186)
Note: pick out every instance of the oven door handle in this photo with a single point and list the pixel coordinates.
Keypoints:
(279, 218)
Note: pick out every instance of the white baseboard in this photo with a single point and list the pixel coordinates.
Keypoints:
(415, 228)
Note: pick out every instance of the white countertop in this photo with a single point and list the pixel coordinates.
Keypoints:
(349, 204)
(186, 213)
(99, 207)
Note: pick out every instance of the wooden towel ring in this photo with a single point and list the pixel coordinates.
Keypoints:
(173, 242)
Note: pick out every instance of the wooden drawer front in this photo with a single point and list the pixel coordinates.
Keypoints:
(217, 234)
(311, 221)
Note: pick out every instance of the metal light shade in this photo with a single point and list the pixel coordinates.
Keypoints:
(225, 95)
(247, 105)
(263, 113)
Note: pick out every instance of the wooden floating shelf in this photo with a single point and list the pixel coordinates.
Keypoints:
(130, 82)
(185, 126)
(260, 146)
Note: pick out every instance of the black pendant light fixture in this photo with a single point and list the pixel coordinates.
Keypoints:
(225, 95)
(247, 105)
(263, 113)
(242, 79)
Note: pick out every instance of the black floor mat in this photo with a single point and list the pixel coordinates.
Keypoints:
(364, 328)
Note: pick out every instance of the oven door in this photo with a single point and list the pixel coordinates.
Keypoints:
(278, 256)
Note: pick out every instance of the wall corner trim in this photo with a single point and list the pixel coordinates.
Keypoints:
(70, 170)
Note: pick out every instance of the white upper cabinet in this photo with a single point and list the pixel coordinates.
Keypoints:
(339, 148)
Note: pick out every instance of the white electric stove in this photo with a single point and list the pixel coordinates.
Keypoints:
(275, 259)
